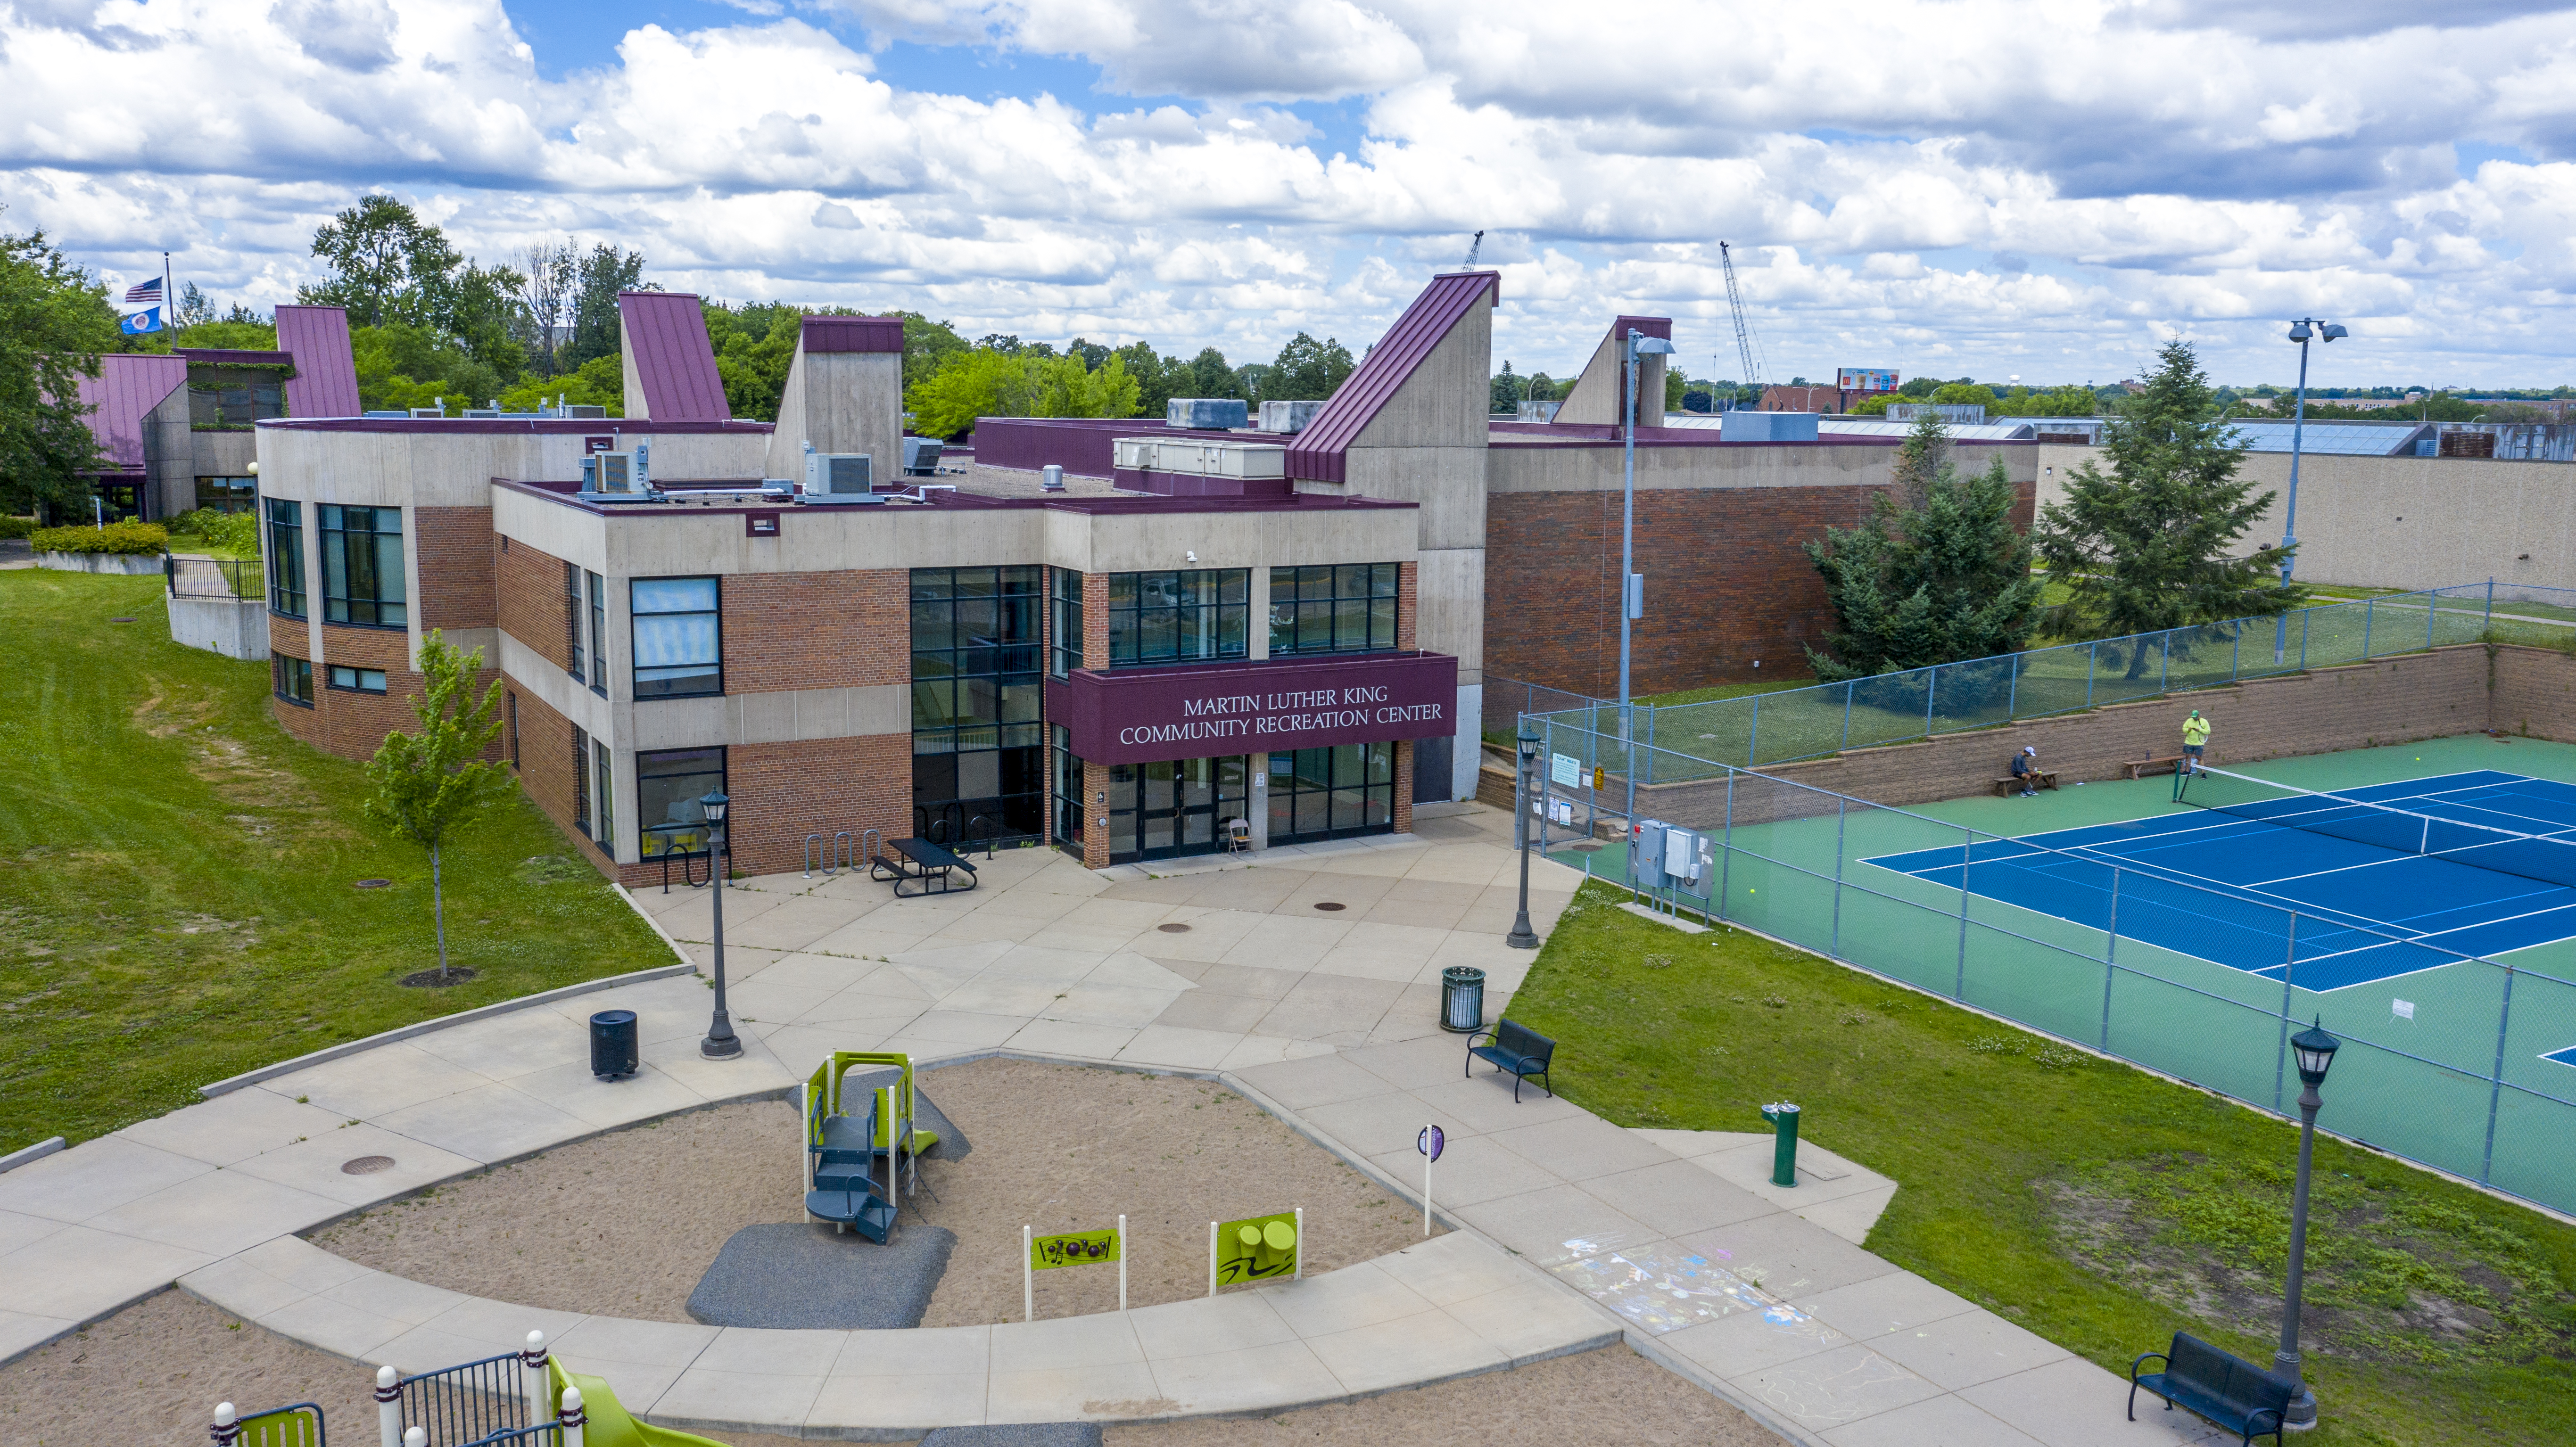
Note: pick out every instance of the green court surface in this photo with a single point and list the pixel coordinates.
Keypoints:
(2420, 1076)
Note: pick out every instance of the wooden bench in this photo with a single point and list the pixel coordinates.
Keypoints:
(2227, 1389)
(1522, 1051)
(2036, 778)
(2140, 768)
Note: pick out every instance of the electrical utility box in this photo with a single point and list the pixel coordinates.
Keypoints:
(1665, 856)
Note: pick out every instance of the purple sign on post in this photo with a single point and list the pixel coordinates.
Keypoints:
(1195, 711)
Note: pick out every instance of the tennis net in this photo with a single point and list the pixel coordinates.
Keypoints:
(2400, 831)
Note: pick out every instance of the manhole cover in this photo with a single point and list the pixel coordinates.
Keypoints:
(120, 620)
(375, 884)
(366, 1165)
(1173, 929)
(1330, 904)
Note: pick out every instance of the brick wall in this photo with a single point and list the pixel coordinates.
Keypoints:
(546, 770)
(817, 630)
(287, 638)
(456, 554)
(1095, 782)
(1727, 582)
(354, 724)
(1404, 784)
(783, 792)
(1095, 621)
(528, 599)
(2535, 693)
(1408, 602)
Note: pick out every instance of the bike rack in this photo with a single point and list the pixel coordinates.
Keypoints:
(841, 850)
(967, 843)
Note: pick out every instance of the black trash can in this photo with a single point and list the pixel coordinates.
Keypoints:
(1462, 999)
(612, 1044)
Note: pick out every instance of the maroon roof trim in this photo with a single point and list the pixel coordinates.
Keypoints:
(233, 356)
(1317, 453)
(853, 334)
(566, 493)
(576, 426)
(128, 386)
(325, 383)
(666, 339)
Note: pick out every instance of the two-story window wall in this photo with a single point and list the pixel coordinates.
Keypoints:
(1325, 608)
(362, 566)
(978, 748)
(286, 557)
(1179, 617)
(1066, 652)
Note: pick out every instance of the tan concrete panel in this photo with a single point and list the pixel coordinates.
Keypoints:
(219, 454)
(1595, 398)
(530, 673)
(1448, 399)
(785, 455)
(1447, 483)
(555, 528)
(854, 403)
(1451, 606)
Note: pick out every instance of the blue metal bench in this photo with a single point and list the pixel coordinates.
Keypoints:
(1521, 1051)
(2227, 1389)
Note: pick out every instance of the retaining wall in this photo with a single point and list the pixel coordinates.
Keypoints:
(233, 627)
(131, 564)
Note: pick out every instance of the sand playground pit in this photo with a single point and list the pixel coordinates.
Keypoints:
(626, 1224)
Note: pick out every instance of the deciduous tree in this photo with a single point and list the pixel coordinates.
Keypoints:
(431, 785)
(54, 323)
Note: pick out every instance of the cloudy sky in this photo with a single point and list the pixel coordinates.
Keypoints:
(1979, 187)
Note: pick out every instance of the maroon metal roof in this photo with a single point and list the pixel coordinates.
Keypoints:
(233, 356)
(666, 339)
(128, 386)
(1317, 452)
(853, 334)
(326, 377)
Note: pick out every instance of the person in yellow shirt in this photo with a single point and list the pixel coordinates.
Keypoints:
(2195, 737)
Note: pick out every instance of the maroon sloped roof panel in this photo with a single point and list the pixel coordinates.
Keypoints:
(667, 337)
(326, 377)
(854, 334)
(128, 386)
(1317, 453)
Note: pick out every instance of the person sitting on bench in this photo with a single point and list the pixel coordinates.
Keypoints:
(2025, 767)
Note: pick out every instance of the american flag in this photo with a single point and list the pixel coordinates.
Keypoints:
(143, 293)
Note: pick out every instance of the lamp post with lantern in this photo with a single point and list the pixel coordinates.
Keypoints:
(2314, 1051)
(721, 1043)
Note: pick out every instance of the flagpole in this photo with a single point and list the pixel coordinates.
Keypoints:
(169, 299)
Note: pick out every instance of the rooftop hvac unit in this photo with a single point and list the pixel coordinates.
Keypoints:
(1205, 412)
(1288, 416)
(585, 409)
(839, 476)
(921, 456)
(618, 475)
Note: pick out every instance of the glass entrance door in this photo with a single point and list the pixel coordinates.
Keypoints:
(1174, 807)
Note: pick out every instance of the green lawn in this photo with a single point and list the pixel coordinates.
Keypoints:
(2099, 1206)
(176, 900)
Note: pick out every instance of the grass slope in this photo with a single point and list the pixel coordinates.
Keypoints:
(2099, 1206)
(175, 876)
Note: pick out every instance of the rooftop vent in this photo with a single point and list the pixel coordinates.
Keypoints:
(1288, 416)
(921, 456)
(617, 476)
(1210, 413)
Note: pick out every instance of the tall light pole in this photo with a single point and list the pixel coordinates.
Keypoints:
(2299, 332)
(2314, 1050)
(1632, 594)
(721, 1043)
(1522, 936)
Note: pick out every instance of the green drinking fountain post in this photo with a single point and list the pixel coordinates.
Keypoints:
(1784, 1148)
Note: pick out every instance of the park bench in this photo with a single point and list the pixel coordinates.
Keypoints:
(1521, 1051)
(2036, 778)
(2227, 1389)
(2140, 768)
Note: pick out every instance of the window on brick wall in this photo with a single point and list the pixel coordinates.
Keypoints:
(1066, 654)
(668, 786)
(1178, 617)
(603, 789)
(977, 748)
(358, 680)
(580, 779)
(1349, 608)
(286, 557)
(291, 679)
(573, 660)
(362, 566)
(514, 730)
(598, 635)
(678, 644)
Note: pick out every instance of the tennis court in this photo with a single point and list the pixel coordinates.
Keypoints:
(2335, 911)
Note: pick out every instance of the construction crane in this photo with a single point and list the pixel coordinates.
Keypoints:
(1743, 329)
(1473, 247)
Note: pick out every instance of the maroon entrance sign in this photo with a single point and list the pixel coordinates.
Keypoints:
(1197, 711)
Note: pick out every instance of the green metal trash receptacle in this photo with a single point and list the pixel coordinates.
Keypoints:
(1462, 999)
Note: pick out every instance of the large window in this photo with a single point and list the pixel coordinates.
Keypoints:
(362, 566)
(1178, 617)
(1325, 608)
(1332, 793)
(291, 678)
(668, 786)
(580, 779)
(1071, 803)
(358, 680)
(574, 662)
(977, 747)
(598, 635)
(286, 557)
(1066, 655)
(234, 397)
(603, 788)
(678, 652)
(1174, 807)
(227, 494)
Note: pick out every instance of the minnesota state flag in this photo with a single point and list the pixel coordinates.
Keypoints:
(147, 320)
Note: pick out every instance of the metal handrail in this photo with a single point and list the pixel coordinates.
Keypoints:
(465, 1403)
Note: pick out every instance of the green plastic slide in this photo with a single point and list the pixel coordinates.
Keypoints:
(609, 1424)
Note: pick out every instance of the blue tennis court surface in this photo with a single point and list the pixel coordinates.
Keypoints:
(2222, 887)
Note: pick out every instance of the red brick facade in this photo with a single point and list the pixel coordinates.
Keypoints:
(1408, 603)
(528, 599)
(1728, 582)
(787, 631)
(455, 556)
(783, 792)
(545, 763)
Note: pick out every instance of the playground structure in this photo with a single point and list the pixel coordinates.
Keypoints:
(526, 1396)
(841, 1144)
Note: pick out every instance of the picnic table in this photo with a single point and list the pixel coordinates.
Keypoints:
(928, 868)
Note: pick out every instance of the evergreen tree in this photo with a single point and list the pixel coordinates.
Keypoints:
(1936, 574)
(2148, 545)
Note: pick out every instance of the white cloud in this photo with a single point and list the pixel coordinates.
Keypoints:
(2041, 186)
